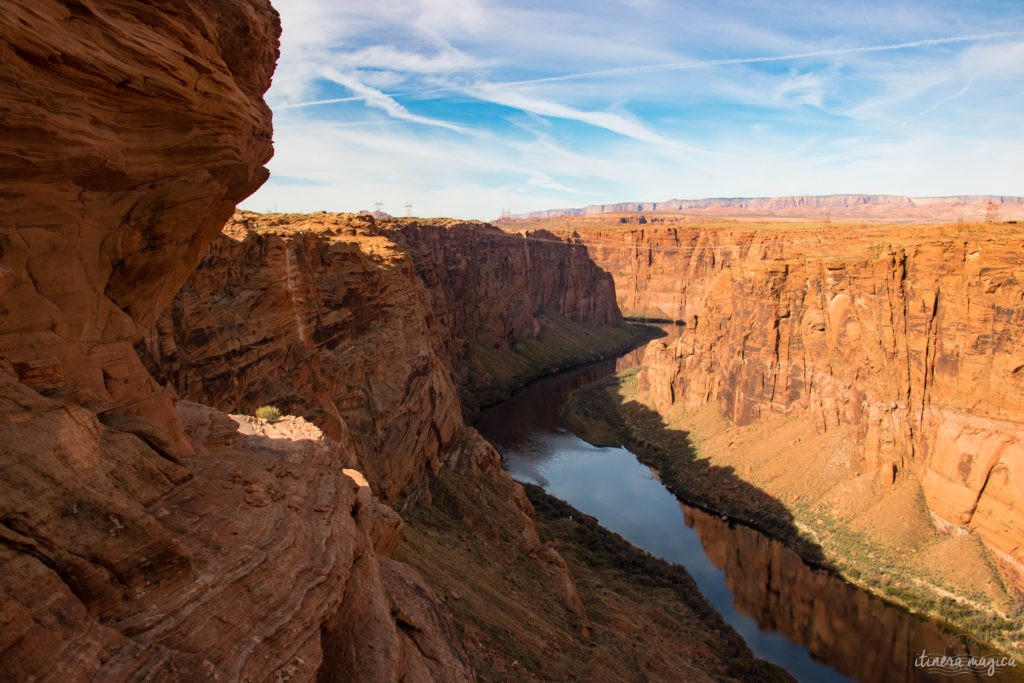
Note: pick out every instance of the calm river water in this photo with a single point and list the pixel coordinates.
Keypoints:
(813, 624)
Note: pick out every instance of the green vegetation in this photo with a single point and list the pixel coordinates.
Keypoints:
(604, 413)
(269, 414)
(492, 374)
(581, 605)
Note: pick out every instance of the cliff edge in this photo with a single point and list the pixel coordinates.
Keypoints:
(139, 539)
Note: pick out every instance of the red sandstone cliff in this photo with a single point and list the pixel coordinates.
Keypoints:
(128, 136)
(329, 323)
(366, 327)
(912, 335)
(513, 307)
(137, 541)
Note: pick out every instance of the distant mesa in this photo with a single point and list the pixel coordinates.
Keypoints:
(872, 207)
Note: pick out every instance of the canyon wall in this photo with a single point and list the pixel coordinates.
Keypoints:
(366, 327)
(140, 540)
(514, 306)
(329, 322)
(912, 335)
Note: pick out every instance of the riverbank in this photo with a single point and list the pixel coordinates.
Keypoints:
(561, 343)
(583, 604)
(795, 485)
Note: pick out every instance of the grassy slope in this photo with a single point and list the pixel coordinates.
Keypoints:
(562, 343)
(642, 618)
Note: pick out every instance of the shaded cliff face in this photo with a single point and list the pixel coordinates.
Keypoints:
(139, 541)
(489, 285)
(366, 327)
(908, 334)
(129, 133)
(330, 323)
(513, 306)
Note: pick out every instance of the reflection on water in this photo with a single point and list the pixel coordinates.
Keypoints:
(810, 622)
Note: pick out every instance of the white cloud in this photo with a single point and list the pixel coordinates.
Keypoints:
(617, 123)
(388, 57)
(375, 98)
(491, 104)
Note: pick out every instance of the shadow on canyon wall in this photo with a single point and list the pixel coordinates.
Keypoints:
(777, 576)
(600, 417)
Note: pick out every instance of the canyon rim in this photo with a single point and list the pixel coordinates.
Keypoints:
(240, 446)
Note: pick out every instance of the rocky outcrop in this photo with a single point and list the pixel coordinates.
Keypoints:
(329, 323)
(139, 541)
(366, 327)
(128, 136)
(909, 334)
(223, 569)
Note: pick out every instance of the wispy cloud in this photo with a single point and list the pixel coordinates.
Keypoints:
(377, 99)
(617, 123)
(944, 100)
(690, 65)
(490, 104)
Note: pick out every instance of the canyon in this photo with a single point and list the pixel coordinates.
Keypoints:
(152, 528)
(895, 348)
(370, 328)
(154, 531)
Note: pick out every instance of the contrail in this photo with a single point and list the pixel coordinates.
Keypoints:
(684, 66)
(681, 66)
(945, 100)
(867, 20)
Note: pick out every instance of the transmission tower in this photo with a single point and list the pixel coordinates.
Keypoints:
(378, 207)
(408, 209)
(991, 212)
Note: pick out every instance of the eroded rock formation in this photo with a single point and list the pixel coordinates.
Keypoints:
(367, 327)
(128, 135)
(139, 541)
(909, 334)
(334, 327)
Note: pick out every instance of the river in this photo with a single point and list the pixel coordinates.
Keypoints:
(810, 622)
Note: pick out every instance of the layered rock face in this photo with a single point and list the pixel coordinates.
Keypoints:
(365, 326)
(492, 290)
(139, 541)
(120, 126)
(909, 334)
(330, 323)
(489, 285)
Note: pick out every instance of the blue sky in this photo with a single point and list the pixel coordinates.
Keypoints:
(467, 107)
